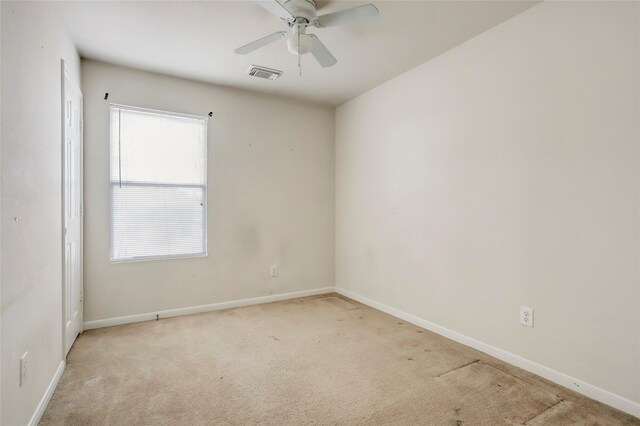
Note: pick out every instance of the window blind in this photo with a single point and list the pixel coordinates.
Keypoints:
(158, 181)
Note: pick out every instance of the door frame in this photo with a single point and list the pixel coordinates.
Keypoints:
(66, 73)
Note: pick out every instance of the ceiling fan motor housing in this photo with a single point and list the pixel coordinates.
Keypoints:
(305, 9)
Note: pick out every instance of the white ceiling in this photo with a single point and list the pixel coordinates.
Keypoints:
(196, 40)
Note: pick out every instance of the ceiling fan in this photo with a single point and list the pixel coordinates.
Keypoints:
(301, 14)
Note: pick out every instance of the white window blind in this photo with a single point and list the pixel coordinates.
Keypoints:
(158, 181)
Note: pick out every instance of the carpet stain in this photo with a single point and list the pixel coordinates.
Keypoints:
(542, 413)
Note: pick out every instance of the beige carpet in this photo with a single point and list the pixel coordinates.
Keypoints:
(316, 360)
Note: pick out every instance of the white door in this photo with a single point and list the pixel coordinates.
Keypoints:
(72, 209)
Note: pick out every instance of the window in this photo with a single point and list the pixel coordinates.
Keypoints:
(158, 180)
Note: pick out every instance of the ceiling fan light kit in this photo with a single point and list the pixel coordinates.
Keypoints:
(300, 15)
(299, 42)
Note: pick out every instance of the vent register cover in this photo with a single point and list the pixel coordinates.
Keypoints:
(263, 72)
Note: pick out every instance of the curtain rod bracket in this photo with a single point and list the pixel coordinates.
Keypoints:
(106, 96)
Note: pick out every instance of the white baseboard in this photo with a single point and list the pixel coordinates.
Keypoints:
(37, 415)
(204, 308)
(593, 392)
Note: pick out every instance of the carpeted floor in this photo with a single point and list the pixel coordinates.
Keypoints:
(317, 360)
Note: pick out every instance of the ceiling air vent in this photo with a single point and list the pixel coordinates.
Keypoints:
(263, 72)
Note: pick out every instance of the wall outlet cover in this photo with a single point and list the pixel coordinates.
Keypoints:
(526, 316)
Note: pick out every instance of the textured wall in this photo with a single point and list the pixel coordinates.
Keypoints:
(505, 173)
(270, 196)
(33, 43)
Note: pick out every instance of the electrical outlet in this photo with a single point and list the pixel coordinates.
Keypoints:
(24, 368)
(526, 316)
(274, 270)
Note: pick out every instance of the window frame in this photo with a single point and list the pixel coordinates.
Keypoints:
(204, 187)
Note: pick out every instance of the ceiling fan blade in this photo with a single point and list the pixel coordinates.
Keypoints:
(321, 53)
(260, 43)
(276, 8)
(362, 13)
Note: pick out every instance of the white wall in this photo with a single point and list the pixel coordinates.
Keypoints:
(33, 42)
(271, 196)
(505, 172)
